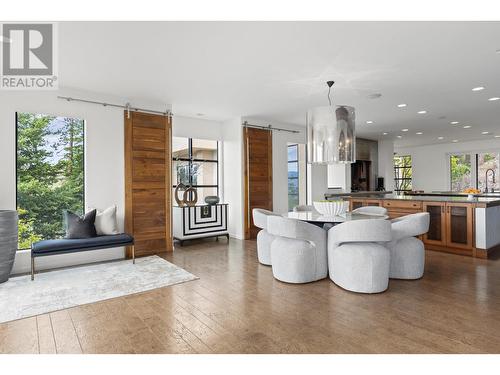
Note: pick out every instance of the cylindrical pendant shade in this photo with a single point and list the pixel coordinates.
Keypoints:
(331, 135)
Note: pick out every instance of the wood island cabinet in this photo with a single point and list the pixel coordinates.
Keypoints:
(357, 203)
(437, 226)
(451, 227)
(459, 226)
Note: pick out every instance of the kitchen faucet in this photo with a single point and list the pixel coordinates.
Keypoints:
(493, 180)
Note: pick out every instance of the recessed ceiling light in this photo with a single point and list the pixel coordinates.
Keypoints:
(494, 99)
(399, 136)
(440, 138)
(497, 136)
(455, 141)
(479, 88)
(402, 105)
(422, 112)
(404, 130)
(484, 133)
(467, 126)
(369, 122)
(385, 133)
(419, 133)
(454, 122)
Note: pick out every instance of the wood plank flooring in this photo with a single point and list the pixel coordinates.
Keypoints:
(238, 307)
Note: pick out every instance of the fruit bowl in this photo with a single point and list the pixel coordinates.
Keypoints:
(331, 208)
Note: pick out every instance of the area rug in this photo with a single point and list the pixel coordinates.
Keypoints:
(55, 290)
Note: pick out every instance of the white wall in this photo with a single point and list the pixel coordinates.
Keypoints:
(233, 175)
(104, 164)
(386, 163)
(430, 163)
(196, 128)
(317, 182)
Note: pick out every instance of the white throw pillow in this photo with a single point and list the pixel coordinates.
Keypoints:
(105, 222)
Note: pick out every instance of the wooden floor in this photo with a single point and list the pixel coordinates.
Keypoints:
(238, 307)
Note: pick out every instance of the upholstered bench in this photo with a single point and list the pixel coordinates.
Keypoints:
(66, 246)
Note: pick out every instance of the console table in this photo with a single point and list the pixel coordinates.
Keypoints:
(200, 221)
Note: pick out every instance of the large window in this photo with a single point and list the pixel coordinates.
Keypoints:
(293, 176)
(50, 174)
(402, 174)
(196, 164)
(461, 172)
(475, 170)
(297, 179)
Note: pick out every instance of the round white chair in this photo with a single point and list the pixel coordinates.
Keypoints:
(371, 210)
(356, 261)
(264, 239)
(408, 252)
(298, 252)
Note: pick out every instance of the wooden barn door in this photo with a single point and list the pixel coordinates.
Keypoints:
(148, 185)
(258, 149)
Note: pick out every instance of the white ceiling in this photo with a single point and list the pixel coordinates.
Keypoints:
(277, 70)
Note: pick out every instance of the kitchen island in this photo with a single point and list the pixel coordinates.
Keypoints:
(457, 224)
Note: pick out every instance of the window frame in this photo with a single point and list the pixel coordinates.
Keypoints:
(395, 168)
(296, 161)
(84, 193)
(190, 161)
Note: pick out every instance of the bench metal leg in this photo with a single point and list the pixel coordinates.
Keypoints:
(133, 254)
(32, 268)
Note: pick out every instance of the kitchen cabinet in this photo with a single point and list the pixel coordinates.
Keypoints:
(437, 226)
(357, 203)
(451, 225)
(398, 208)
(459, 228)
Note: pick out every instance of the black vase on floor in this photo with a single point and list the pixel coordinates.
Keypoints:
(8, 242)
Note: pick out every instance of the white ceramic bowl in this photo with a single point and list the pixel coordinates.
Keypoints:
(331, 208)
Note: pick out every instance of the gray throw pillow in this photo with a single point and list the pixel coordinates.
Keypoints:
(80, 227)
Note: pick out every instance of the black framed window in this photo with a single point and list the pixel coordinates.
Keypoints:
(49, 174)
(293, 176)
(402, 174)
(196, 164)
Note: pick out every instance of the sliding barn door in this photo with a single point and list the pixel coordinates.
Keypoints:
(148, 186)
(258, 149)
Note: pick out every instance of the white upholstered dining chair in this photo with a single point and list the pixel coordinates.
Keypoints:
(356, 260)
(370, 210)
(407, 251)
(264, 239)
(298, 253)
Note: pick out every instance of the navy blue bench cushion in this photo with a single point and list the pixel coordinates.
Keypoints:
(69, 245)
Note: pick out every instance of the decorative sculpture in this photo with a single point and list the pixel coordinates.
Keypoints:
(190, 201)
(180, 187)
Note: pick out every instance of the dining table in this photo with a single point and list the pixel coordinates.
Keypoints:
(316, 218)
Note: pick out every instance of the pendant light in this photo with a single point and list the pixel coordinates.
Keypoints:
(331, 133)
